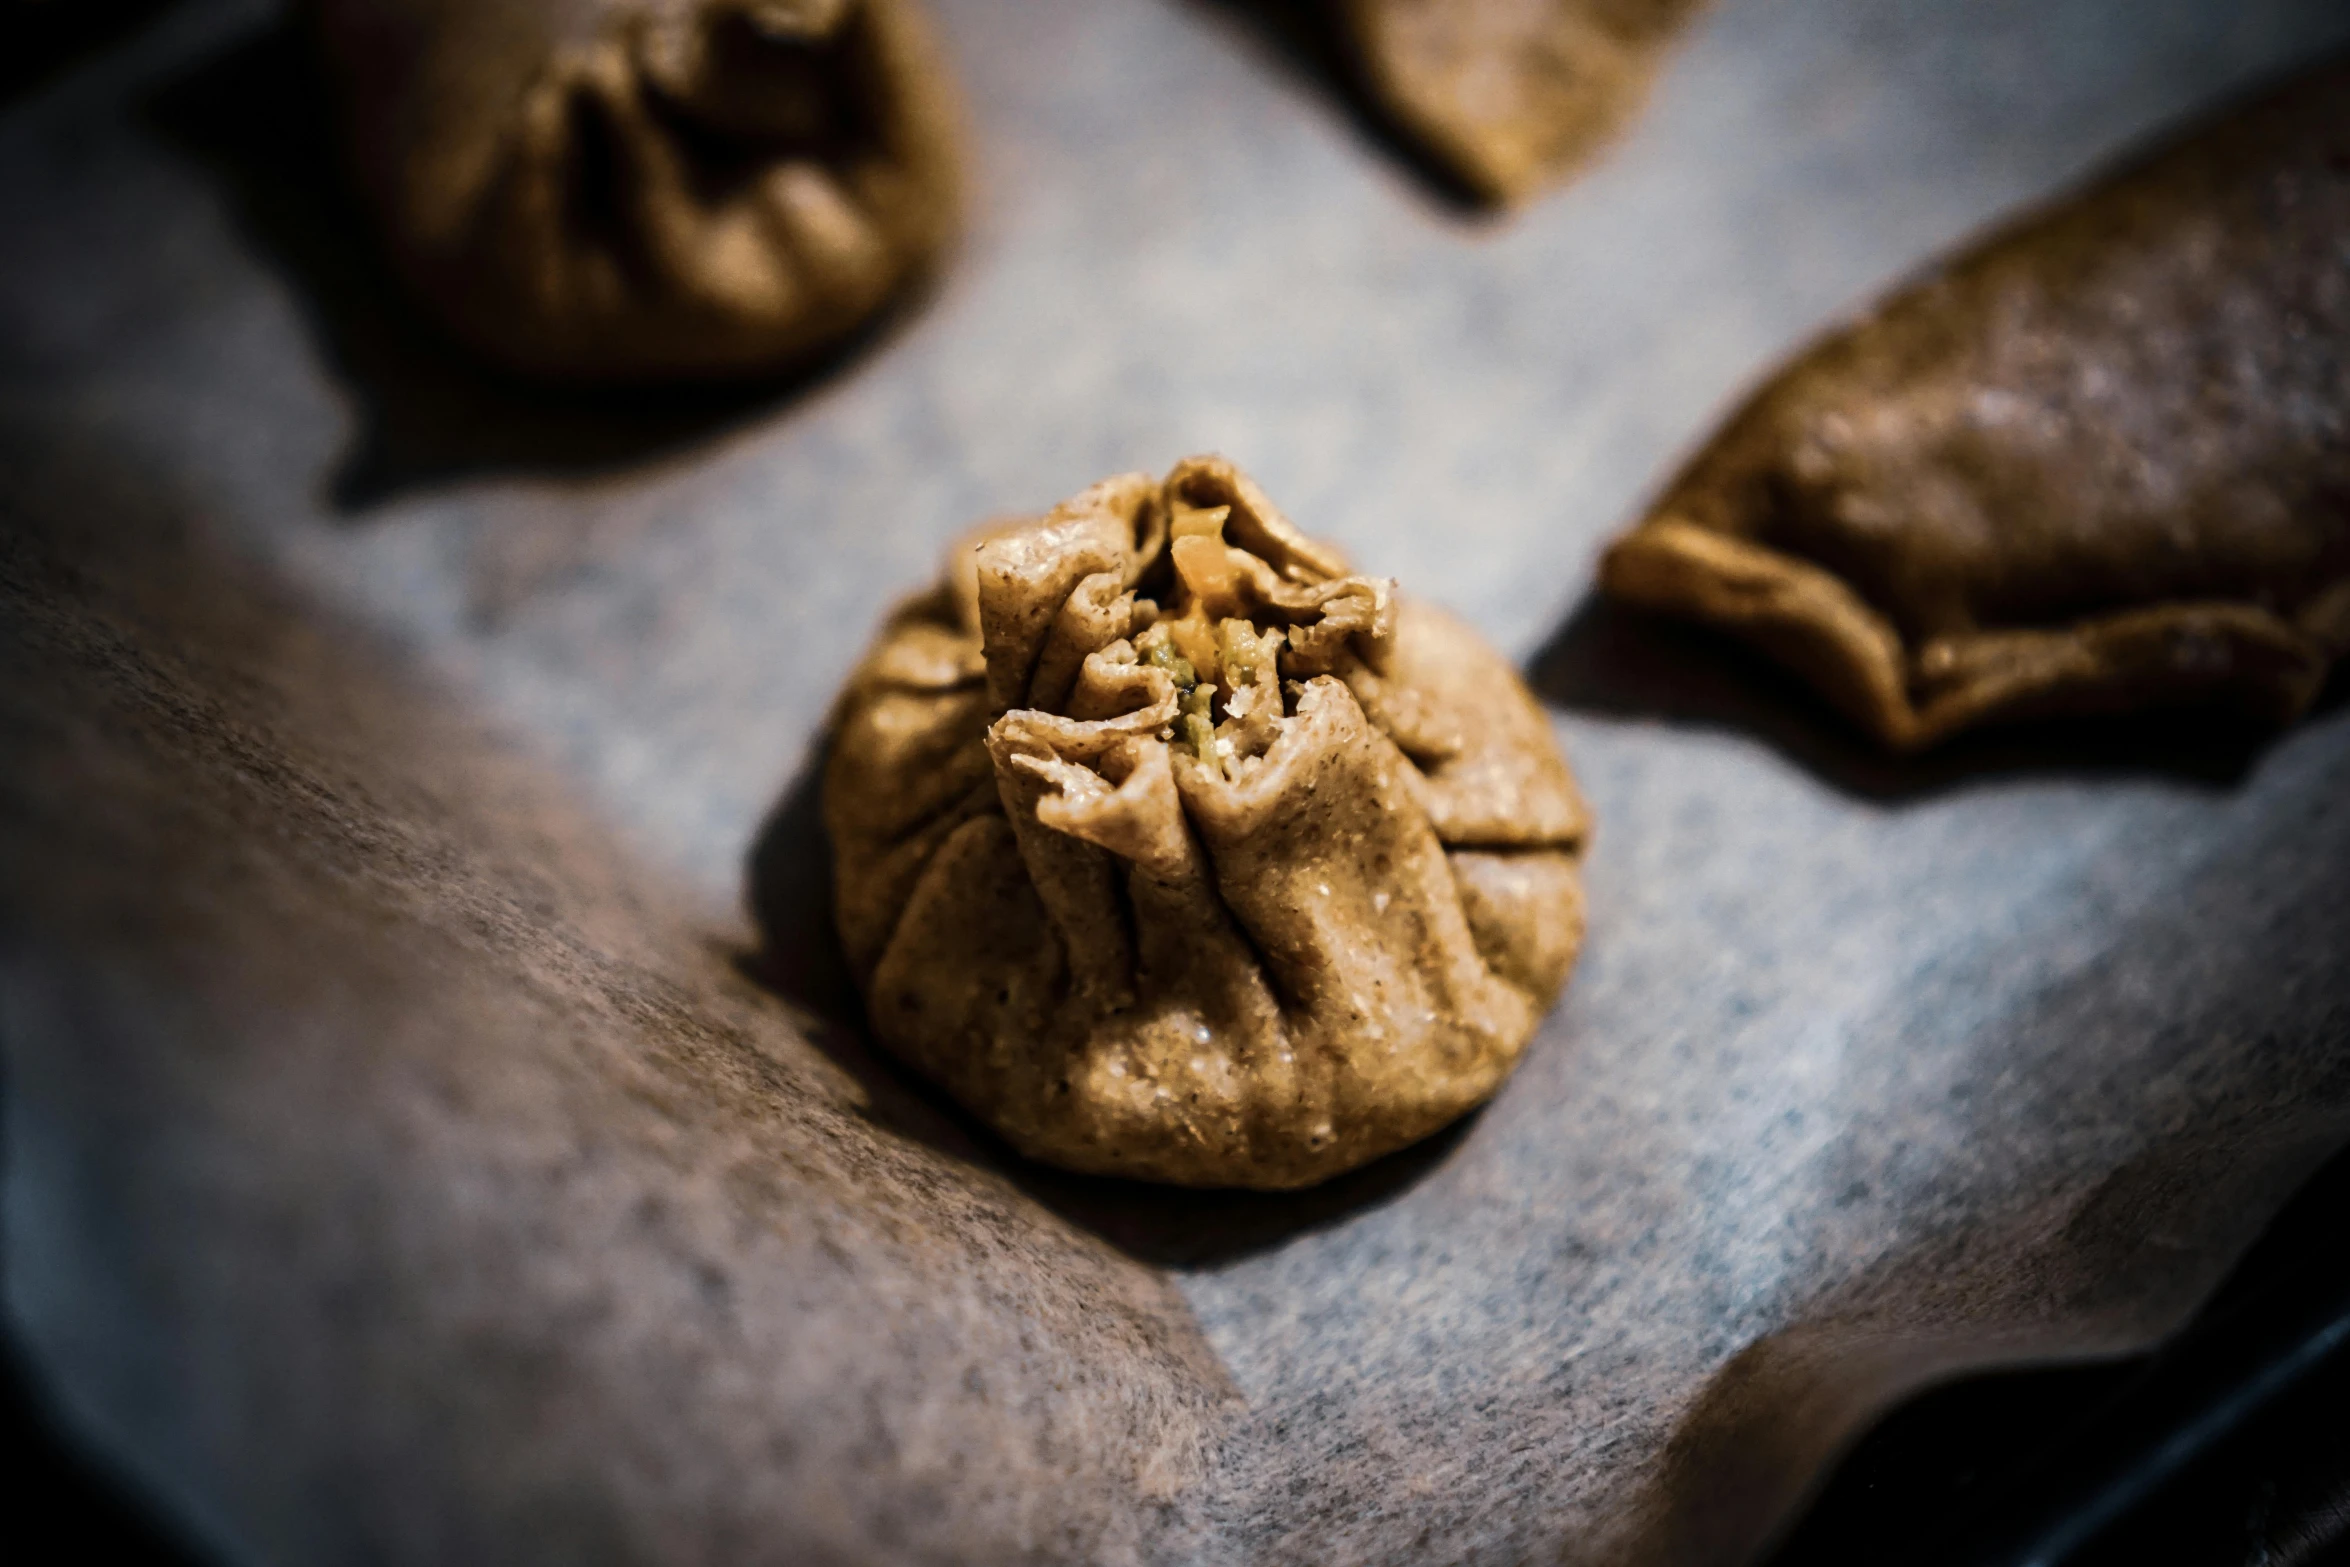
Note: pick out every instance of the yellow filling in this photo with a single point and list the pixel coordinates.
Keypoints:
(1207, 646)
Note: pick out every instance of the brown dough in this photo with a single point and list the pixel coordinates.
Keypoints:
(1253, 941)
(608, 190)
(1512, 94)
(2099, 463)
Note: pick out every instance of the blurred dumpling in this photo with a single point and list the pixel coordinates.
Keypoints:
(1512, 94)
(2099, 463)
(610, 190)
(1174, 850)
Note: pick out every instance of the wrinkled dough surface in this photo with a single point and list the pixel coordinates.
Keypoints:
(2101, 462)
(611, 190)
(1175, 851)
(1512, 95)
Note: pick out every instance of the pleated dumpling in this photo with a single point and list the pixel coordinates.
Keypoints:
(624, 190)
(1175, 850)
(2099, 463)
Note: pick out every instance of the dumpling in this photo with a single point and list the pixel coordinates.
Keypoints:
(613, 190)
(1175, 850)
(2099, 463)
(1512, 94)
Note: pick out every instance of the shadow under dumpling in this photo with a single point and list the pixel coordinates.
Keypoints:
(1616, 660)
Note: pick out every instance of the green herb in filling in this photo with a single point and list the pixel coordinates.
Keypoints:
(1158, 649)
(1199, 724)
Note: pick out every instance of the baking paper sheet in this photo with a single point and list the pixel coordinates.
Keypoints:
(436, 1127)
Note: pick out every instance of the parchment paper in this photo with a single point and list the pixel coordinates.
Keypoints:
(436, 1129)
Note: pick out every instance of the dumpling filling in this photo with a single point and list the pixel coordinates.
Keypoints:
(1238, 678)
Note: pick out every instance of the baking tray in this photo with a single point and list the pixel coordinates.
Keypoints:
(437, 1127)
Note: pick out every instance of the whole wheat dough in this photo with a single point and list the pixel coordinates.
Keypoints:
(2099, 463)
(1512, 95)
(613, 190)
(1174, 850)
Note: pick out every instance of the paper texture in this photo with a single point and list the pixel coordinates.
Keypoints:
(407, 1161)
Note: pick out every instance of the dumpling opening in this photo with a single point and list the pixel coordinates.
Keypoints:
(1239, 636)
